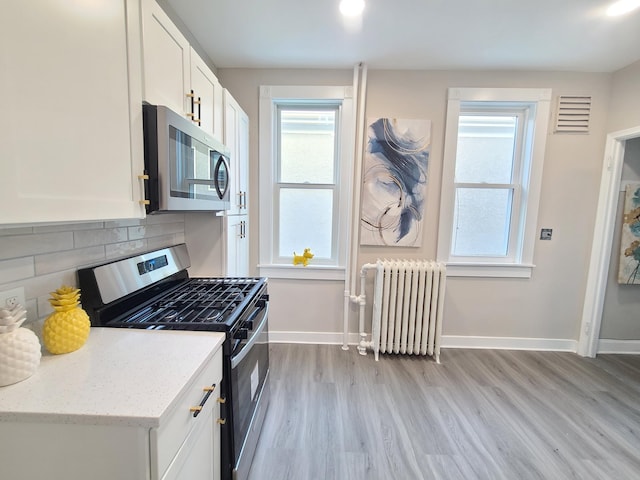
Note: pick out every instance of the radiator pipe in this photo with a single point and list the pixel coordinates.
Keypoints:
(362, 301)
(359, 92)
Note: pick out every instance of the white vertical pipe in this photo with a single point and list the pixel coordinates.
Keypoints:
(348, 273)
(377, 309)
(362, 301)
(353, 237)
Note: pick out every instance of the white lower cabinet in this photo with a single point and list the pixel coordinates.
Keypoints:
(181, 447)
(194, 459)
(237, 245)
(178, 444)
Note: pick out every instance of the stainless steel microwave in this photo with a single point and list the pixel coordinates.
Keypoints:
(187, 169)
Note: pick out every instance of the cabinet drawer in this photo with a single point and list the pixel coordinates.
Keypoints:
(172, 433)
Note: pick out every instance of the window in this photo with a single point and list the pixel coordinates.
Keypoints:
(306, 151)
(493, 158)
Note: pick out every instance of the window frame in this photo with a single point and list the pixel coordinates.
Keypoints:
(279, 185)
(535, 105)
(271, 97)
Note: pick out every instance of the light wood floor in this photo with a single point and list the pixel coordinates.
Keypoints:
(481, 414)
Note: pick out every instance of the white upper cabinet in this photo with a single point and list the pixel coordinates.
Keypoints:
(175, 75)
(208, 91)
(166, 60)
(71, 123)
(236, 139)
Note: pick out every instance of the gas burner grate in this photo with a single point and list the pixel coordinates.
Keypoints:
(198, 302)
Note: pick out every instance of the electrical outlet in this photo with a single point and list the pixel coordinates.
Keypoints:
(11, 298)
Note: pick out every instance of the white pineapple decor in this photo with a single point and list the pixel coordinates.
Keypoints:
(20, 350)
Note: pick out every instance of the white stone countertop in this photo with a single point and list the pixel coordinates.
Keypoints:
(119, 377)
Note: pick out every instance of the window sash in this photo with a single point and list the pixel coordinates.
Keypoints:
(511, 253)
(290, 105)
(317, 259)
(518, 165)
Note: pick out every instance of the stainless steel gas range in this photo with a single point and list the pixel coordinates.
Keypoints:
(153, 291)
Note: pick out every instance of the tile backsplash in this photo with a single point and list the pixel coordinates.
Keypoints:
(42, 258)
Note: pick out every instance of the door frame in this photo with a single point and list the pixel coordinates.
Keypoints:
(602, 240)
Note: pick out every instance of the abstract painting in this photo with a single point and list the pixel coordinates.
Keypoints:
(395, 182)
(629, 271)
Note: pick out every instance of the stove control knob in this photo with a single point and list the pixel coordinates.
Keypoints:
(241, 334)
(248, 325)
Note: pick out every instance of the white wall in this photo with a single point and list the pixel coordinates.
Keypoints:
(547, 306)
(204, 237)
(624, 111)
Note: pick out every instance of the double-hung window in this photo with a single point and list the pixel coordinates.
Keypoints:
(306, 150)
(494, 153)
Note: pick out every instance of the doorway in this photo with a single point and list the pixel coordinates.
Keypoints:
(602, 240)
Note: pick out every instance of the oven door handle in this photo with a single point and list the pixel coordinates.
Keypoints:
(254, 338)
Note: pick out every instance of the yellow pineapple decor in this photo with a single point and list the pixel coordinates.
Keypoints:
(67, 328)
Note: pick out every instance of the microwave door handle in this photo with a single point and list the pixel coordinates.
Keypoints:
(221, 163)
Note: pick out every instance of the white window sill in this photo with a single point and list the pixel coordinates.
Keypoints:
(310, 272)
(512, 270)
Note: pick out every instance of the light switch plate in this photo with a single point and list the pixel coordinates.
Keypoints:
(545, 234)
(9, 298)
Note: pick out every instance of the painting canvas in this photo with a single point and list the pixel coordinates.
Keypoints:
(629, 271)
(395, 182)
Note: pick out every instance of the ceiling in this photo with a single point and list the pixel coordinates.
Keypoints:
(570, 35)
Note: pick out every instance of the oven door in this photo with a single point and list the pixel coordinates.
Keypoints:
(249, 387)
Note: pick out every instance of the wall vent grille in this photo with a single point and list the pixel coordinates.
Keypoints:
(573, 114)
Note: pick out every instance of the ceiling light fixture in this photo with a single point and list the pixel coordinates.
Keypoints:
(622, 7)
(351, 8)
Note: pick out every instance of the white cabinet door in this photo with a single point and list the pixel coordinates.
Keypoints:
(167, 57)
(175, 75)
(195, 459)
(237, 242)
(208, 92)
(236, 138)
(71, 127)
(243, 159)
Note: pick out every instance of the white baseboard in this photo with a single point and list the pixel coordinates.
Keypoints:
(510, 343)
(448, 341)
(618, 346)
(317, 338)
